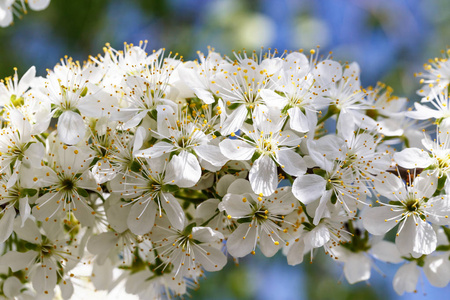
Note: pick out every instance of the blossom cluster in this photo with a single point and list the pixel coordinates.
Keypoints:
(159, 169)
(11, 8)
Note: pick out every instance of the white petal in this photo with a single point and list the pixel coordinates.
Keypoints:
(28, 232)
(237, 205)
(183, 170)
(210, 258)
(267, 245)
(38, 4)
(154, 151)
(27, 78)
(223, 184)
(357, 268)
(263, 176)
(296, 253)
(386, 251)
(102, 243)
(234, 121)
(328, 71)
(425, 185)
(102, 275)
(379, 220)
(437, 270)
(272, 99)
(142, 216)
(211, 154)
(66, 288)
(422, 112)
(206, 209)
(298, 121)
(83, 212)
(204, 95)
(237, 149)
(405, 280)
(173, 211)
(12, 287)
(71, 128)
(240, 186)
(135, 120)
(33, 155)
(317, 237)
(19, 121)
(308, 188)
(390, 186)
(291, 162)
(438, 210)
(322, 209)
(47, 206)
(242, 241)
(206, 235)
(416, 236)
(44, 278)
(18, 260)
(6, 224)
(411, 158)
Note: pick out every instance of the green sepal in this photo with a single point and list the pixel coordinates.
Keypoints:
(234, 106)
(82, 192)
(256, 155)
(170, 188)
(333, 198)
(443, 248)
(320, 172)
(27, 192)
(135, 166)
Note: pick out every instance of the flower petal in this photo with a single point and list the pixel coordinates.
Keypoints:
(298, 120)
(154, 151)
(210, 258)
(263, 176)
(357, 268)
(183, 170)
(386, 251)
(173, 211)
(242, 241)
(71, 128)
(236, 205)
(379, 220)
(411, 158)
(7, 224)
(308, 188)
(405, 280)
(236, 149)
(416, 237)
(211, 154)
(142, 216)
(291, 162)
